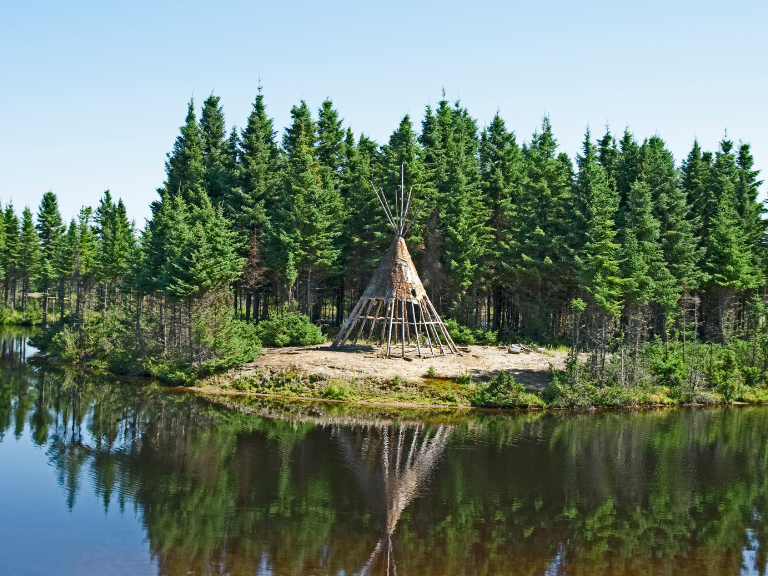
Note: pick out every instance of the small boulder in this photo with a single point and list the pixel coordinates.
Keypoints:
(541, 349)
(514, 349)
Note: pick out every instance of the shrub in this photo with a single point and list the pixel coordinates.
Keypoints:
(464, 335)
(289, 328)
(503, 392)
(337, 391)
(64, 344)
(460, 334)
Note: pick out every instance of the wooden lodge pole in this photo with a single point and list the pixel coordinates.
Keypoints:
(416, 328)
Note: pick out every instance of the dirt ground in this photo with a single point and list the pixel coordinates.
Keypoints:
(482, 362)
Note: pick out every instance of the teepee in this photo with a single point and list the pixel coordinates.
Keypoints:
(395, 300)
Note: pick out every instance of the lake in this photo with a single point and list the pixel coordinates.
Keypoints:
(102, 476)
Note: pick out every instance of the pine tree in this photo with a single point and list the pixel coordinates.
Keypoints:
(86, 260)
(645, 273)
(366, 234)
(10, 254)
(749, 209)
(502, 176)
(185, 170)
(729, 261)
(28, 254)
(2, 243)
(672, 211)
(502, 169)
(116, 239)
(627, 169)
(544, 227)
(218, 179)
(310, 214)
(250, 207)
(465, 221)
(330, 140)
(695, 177)
(599, 272)
(201, 256)
(49, 228)
(609, 158)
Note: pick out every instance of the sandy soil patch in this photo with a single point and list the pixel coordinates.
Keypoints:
(482, 362)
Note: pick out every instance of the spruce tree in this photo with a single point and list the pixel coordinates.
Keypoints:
(609, 157)
(598, 256)
(644, 270)
(628, 167)
(116, 239)
(3, 257)
(28, 254)
(672, 211)
(544, 226)
(185, 170)
(201, 256)
(218, 179)
(310, 214)
(10, 254)
(695, 174)
(330, 140)
(250, 207)
(465, 220)
(49, 228)
(366, 233)
(749, 209)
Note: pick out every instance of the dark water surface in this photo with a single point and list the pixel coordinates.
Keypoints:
(103, 477)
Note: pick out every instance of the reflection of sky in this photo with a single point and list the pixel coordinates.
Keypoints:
(40, 536)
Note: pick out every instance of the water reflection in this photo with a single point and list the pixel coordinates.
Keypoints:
(391, 465)
(227, 485)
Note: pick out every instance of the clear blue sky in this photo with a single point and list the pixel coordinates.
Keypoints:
(93, 93)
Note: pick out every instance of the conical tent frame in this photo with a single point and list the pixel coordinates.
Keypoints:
(395, 302)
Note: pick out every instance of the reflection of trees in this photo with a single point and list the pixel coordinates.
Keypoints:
(391, 465)
(241, 488)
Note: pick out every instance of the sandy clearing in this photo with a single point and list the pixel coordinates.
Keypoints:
(482, 362)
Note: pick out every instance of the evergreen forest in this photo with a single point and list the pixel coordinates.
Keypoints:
(647, 267)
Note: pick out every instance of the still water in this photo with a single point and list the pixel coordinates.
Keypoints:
(100, 476)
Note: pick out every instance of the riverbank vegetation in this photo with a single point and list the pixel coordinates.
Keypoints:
(655, 269)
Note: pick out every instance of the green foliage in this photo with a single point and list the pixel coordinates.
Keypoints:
(503, 392)
(463, 335)
(337, 391)
(288, 327)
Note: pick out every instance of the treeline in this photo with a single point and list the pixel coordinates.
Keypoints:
(621, 246)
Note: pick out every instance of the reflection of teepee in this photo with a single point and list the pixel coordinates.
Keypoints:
(396, 293)
(391, 468)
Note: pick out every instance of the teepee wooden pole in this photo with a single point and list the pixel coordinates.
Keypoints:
(389, 331)
(444, 330)
(407, 323)
(408, 204)
(426, 329)
(402, 193)
(434, 328)
(414, 218)
(386, 211)
(384, 323)
(364, 320)
(345, 326)
(375, 319)
(416, 328)
(353, 319)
